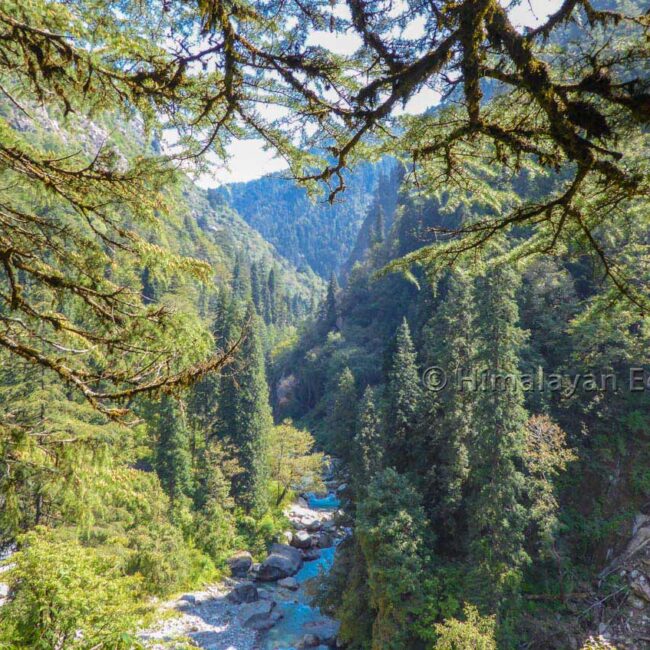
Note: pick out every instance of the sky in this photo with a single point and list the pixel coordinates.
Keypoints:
(249, 160)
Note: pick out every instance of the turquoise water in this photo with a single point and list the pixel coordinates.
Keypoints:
(296, 611)
(330, 502)
(294, 606)
(312, 569)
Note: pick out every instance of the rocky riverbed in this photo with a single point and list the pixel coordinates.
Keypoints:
(262, 606)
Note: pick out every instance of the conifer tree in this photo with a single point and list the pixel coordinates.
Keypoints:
(256, 289)
(244, 416)
(342, 418)
(273, 296)
(403, 394)
(173, 461)
(389, 525)
(330, 312)
(214, 519)
(367, 454)
(241, 285)
(449, 413)
(377, 234)
(496, 516)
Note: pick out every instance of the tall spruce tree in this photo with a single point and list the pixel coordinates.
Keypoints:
(256, 289)
(342, 417)
(403, 395)
(173, 460)
(367, 450)
(448, 417)
(330, 310)
(241, 284)
(390, 523)
(496, 516)
(244, 416)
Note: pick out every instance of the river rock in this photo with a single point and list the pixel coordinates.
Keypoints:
(301, 539)
(240, 564)
(309, 641)
(312, 554)
(288, 583)
(284, 561)
(302, 502)
(325, 541)
(312, 525)
(259, 615)
(244, 593)
(341, 488)
(287, 536)
(325, 629)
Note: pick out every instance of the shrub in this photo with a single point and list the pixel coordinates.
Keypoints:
(474, 632)
(64, 595)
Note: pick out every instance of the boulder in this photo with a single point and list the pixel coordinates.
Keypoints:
(325, 541)
(309, 641)
(641, 588)
(312, 525)
(325, 629)
(244, 593)
(312, 554)
(185, 602)
(240, 564)
(259, 615)
(302, 502)
(288, 583)
(301, 539)
(284, 561)
(287, 536)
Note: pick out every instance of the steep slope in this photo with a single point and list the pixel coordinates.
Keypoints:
(309, 234)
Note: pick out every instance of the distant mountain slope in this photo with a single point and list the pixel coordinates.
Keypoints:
(235, 237)
(318, 235)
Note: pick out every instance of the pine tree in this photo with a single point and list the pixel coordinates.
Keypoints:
(496, 516)
(389, 525)
(403, 394)
(377, 233)
(367, 456)
(449, 413)
(342, 418)
(173, 461)
(273, 296)
(256, 289)
(241, 284)
(214, 519)
(330, 310)
(244, 416)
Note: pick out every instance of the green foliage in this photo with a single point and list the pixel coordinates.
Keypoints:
(496, 514)
(473, 632)
(389, 526)
(173, 463)
(368, 444)
(341, 421)
(67, 596)
(244, 417)
(293, 463)
(403, 396)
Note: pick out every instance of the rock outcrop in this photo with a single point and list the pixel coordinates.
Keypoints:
(283, 562)
(240, 564)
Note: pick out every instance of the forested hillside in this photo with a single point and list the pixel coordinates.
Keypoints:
(309, 231)
(413, 414)
(504, 489)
